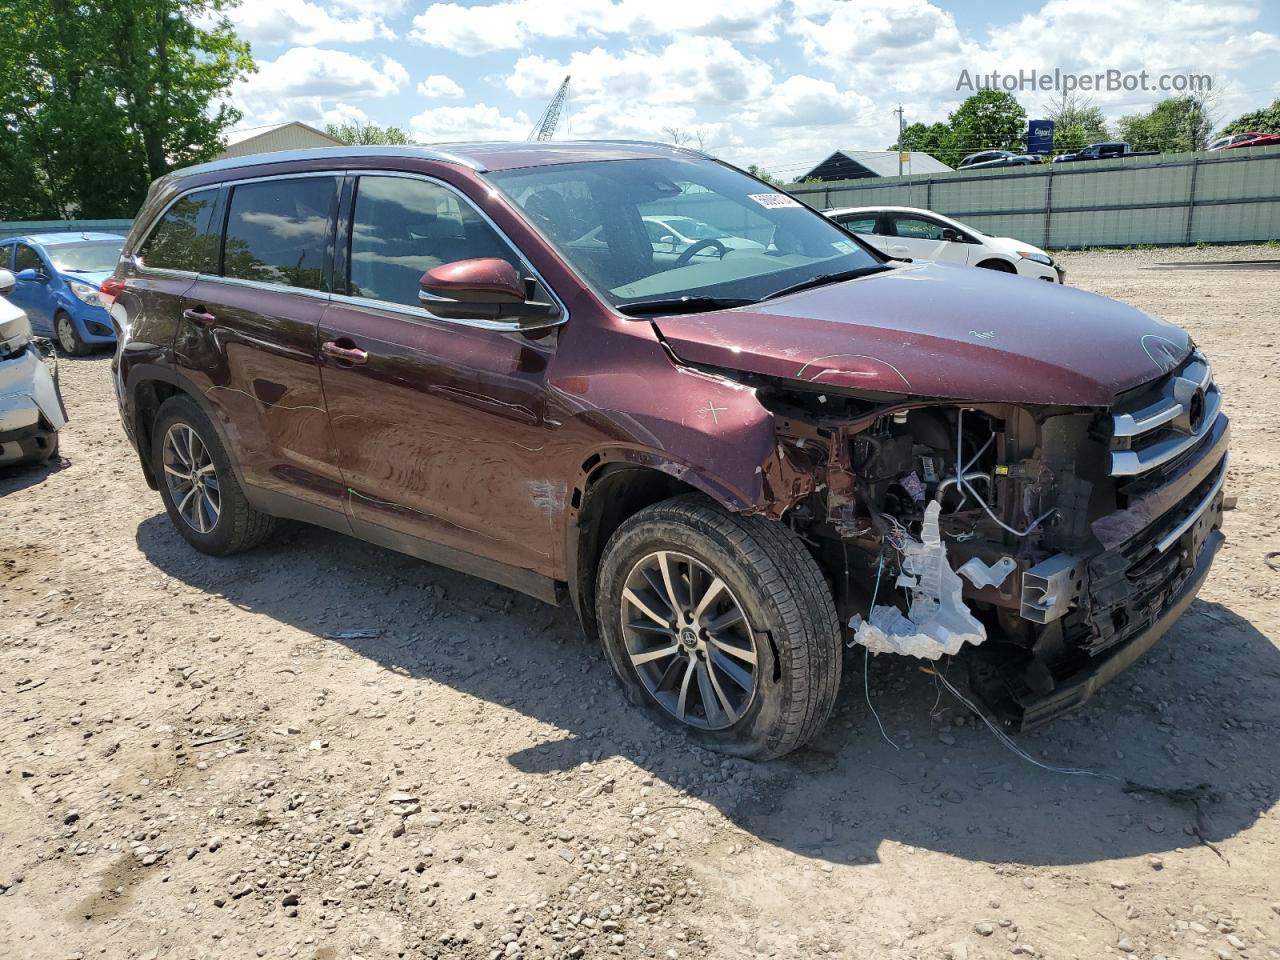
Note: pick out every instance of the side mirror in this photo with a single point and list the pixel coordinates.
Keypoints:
(32, 275)
(949, 234)
(487, 289)
(7, 281)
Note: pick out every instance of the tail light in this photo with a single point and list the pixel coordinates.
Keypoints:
(111, 289)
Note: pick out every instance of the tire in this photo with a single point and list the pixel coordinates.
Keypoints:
(229, 523)
(67, 336)
(789, 627)
(1000, 266)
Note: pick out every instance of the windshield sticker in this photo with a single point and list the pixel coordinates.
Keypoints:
(773, 201)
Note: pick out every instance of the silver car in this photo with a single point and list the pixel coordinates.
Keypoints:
(31, 409)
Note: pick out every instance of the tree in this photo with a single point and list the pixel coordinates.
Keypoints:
(693, 139)
(988, 120)
(1266, 120)
(760, 173)
(1175, 125)
(100, 97)
(1076, 122)
(928, 138)
(367, 134)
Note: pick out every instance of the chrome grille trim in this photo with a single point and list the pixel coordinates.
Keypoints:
(1163, 413)
(1174, 535)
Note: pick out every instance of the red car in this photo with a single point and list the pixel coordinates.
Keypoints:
(1254, 140)
(730, 458)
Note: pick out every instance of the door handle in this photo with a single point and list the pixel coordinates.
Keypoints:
(331, 348)
(199, 315)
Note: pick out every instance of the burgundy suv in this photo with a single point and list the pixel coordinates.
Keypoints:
(731, 450)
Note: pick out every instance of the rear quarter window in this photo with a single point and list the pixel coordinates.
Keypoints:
(183, 238)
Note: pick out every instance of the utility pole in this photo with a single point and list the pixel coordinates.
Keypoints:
(899, 113)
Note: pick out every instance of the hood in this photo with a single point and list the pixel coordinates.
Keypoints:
(931, 330)
(93, 279)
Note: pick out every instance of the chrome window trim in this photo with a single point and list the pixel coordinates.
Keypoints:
(265, 285)
(1205, 503)
(419, 312)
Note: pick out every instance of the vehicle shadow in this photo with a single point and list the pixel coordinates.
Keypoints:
(1196, 710)
(20, 476)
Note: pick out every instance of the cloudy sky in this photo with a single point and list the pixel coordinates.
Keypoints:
(776, 83)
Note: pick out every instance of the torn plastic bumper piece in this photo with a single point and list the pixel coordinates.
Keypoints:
(937, 622)
(1073, 691)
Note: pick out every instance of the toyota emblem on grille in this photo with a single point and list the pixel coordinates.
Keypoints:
(1195, 410)
(1188, 395)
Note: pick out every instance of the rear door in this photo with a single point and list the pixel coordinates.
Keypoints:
(247, 339)
(921, 238)
(439, 424)
(35, 296)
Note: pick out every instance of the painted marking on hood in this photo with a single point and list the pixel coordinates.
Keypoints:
(1171, 352)
(715, 411)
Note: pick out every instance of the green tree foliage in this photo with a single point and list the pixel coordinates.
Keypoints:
(1266, 120)
(760, 173)
(1175, 125)
(1077, 123)
(367, 134)
(928, 138)
(100, 97)
(988, 120)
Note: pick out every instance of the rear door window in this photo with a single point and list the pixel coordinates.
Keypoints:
(917, 228)
(277, 230)
(184, 239)
(402, 227)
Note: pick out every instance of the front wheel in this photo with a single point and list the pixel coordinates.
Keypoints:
(721, 626)
(68, 336)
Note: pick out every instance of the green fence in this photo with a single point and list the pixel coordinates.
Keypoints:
(1229, 196)
(21, 228)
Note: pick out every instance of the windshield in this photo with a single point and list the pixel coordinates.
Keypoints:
(749, 241)
(96, 256)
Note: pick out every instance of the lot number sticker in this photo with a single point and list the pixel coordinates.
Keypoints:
(774, 201)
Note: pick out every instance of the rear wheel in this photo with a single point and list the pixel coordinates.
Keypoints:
(197, 484)
(721, 626)
(68, 336)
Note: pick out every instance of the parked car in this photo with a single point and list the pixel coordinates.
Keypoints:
(58, 275)
(1254, 140)
(1225, 141)
(31, 410)
(718, 462)
(1103, 151)
(996, 158)
(925, 235)
(673, 234)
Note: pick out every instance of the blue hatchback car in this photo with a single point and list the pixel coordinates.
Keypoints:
(58, 276)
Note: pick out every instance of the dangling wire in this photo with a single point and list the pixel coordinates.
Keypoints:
(866, 658)
(963, 483)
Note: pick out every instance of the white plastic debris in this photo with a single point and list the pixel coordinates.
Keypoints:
(981, 575)
(937, 621)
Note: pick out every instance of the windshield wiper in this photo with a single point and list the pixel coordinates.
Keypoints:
(683, 305)
(823, 279)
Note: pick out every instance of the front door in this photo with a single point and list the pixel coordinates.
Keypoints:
(922, 238)
(439, 425)
(35, 296)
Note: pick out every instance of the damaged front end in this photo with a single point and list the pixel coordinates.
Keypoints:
(1059, 542)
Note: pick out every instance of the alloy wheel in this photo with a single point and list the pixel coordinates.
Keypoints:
(689, 640)
(192, 478)
(66, 334)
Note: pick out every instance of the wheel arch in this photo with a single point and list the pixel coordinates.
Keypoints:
(149, 387)
(613, 486)
(996, 263)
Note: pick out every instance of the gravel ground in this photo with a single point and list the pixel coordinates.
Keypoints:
(326, 750)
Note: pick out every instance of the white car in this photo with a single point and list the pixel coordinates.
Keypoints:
(670, 233)
(31, 410)
(925, 235)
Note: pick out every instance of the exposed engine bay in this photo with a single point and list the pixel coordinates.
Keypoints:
(994, 526)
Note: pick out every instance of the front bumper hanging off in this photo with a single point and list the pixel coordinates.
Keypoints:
(31, 407)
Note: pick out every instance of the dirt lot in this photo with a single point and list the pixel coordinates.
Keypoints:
(326, 750)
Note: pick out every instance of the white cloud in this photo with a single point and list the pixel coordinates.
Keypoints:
(476, 122)
(439, 86)
(303, 83)
(344, 113)
(292, 22)
(513, 24)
